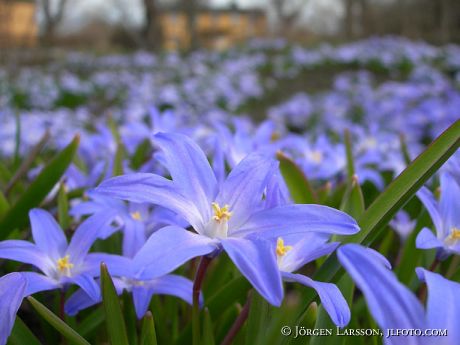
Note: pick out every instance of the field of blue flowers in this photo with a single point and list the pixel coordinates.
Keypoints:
(268, 194)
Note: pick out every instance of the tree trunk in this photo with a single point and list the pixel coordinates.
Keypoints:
(445, 20)
(349, 19)
(191, 7)
(152, 32)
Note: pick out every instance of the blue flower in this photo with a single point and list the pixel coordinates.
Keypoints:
(142, 291)
(223, 215)
(445, 215)
(394, 306)
(299, 251)
(60, 263)
(12, 292)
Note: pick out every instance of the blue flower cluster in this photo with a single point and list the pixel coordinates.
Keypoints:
(199, 181)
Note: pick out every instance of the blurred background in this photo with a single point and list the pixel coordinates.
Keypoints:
(113, 25)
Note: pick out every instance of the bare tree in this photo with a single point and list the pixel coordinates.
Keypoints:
(287, 13)
(53, 12)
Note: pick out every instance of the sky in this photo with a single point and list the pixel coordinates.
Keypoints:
(322, 16)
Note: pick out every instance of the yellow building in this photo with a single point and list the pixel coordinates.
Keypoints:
(216, 28)
(17, 23)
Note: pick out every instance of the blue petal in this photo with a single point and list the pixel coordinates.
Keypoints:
(47, 234)
(168, 248)
(331, 297)
(116, 264)
(449, 205)
(154, 189)
(307, 249)
(431, 205)
(12, 289)
(81, 300)
(189, 169)
(391, 303)
(37, 282)
(427, 240)
(141, 298)
(86, 234)
(296, 219)
(87, 283)
(133, 237)
(443, 306)
(26, 252)
(256, 260)
(174, 285)
(244, 186)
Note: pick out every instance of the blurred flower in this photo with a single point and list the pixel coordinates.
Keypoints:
(445, 215)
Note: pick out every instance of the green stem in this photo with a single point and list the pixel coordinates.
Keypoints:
(199, 277)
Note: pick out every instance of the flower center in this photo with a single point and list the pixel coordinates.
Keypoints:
(64, 265)
(281, 249)
(454, 235)
(316, 156)
(221, 213)
(275, 136)
(217, 227)
(136, 215)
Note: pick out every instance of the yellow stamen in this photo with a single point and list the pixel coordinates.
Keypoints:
(221, 214)
(281, 249)
(454, 234)
(136, 215)
(63, 264)
(275, 136)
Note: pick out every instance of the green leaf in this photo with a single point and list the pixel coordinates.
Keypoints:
(4, 205)
(142, 154)
(404, 148)
(22, 335)
(353, 199)
(66, 331)
(27, 162)
(63, 207)
(114, 318)
(17, 216)
(148, 335)
(257, 320)
(349, 154)
(296, 181)
(385, 206)
(118, 162)
(234, 291)
(130, 317)
(208, 334)
(91, 322)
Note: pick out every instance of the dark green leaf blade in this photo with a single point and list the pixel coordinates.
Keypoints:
(148, 334)
(17, 216)
(296, 181)
(67, 332)
(21, 334)
(116, 327)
